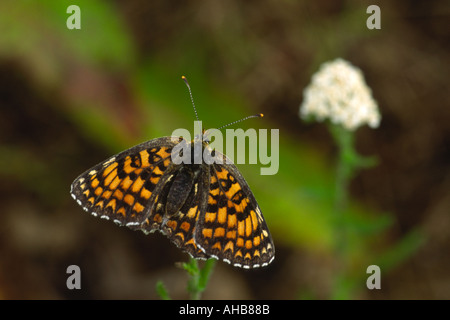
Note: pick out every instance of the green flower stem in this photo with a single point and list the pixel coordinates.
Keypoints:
(198, 277)
(348, 162)
(344, 170)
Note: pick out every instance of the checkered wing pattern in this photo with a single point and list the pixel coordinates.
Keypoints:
(207, 210)
(124, 187)
(232, 226)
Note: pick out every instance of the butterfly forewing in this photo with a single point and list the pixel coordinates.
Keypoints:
(122, 187)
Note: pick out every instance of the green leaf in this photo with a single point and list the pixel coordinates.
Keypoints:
(162, 291)
(198, 277)
(205, 273)
(402, 250)
(191, 267)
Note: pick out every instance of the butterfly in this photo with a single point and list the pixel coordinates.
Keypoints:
(205, 209)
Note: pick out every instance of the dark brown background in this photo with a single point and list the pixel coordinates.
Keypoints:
(263, 51)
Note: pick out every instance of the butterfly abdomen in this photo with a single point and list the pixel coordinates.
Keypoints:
(181, 187)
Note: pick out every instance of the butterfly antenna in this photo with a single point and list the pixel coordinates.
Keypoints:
(260, 115)
(190, 94)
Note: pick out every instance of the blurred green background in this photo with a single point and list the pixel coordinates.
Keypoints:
(71, 98)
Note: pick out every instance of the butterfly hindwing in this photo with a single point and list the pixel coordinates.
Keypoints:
(232, 226)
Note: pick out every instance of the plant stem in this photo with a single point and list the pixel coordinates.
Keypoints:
(198, 277)
(347, 163)
(344, 169)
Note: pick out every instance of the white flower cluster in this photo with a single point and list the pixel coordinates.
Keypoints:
(339, 93)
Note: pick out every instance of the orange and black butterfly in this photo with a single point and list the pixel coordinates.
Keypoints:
(207, 210)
